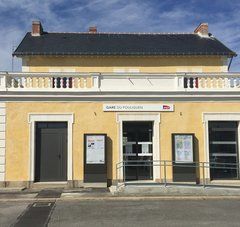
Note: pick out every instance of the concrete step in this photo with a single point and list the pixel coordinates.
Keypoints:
(8, 189)
(150, 190)
(46, 185)
(95, 185)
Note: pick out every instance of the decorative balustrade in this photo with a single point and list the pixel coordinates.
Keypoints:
(211, 82)
(48, 82)
(184, 82)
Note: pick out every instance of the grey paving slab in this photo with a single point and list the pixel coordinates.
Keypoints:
(9, 211)
(17, 196)
(146, 213)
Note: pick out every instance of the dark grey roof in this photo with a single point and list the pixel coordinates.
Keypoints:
(120, 44)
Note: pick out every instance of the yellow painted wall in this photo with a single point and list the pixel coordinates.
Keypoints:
(90, 118)
(111, 64)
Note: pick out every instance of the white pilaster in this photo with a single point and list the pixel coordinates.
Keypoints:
(2, 141)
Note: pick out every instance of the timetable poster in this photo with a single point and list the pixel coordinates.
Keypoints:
(183, 148)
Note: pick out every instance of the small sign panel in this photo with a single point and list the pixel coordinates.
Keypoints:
(138, 107)
(183, 148)
(129, 149)
(145, 148)
(95, 147)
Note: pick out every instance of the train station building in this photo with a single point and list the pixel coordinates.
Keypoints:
(99, 107)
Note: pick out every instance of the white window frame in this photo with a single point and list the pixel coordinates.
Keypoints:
(218, 116)
(50, 117)
(146, 116)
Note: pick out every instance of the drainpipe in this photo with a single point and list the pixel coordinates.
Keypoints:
(229, 65)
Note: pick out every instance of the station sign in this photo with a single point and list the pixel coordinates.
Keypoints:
(138, 107)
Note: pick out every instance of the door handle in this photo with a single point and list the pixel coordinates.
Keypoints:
(59, 156)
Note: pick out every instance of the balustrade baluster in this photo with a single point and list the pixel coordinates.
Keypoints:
(50, 82)
(211, 83)
(37, 82)
(234, 82)
(230, 82)
(30, 82)
(194, 82)
(85, 82)
(205, 81)
(188, 83)
(226, 82)
(67, 82)
(55, 82)
(199, 82)
(222, 82)
(79, 82)
(218, 82)
(61, 82)
(24, 82)
(42, 82)
(19, 82)
(74, 82)
(12, 83)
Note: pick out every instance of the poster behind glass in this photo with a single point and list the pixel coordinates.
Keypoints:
(95, 145)
(183, 148)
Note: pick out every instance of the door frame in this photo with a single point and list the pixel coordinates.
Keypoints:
(146, 116)
(218, 116)
(50, 117)
(138, 150)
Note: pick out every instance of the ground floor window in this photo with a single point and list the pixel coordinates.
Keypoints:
(223, 150)
(138, 150)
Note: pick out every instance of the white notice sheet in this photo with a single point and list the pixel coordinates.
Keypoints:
(183, 148)
(95, 149)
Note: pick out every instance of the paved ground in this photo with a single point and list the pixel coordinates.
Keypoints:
(9, 211)
(133, 212)
(147, 213)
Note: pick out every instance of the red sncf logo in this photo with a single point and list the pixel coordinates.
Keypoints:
(166, 107)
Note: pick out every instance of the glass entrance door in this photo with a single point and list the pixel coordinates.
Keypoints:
(137, 149)
(223, 149)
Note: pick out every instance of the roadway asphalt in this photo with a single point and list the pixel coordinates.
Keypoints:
(129, 212)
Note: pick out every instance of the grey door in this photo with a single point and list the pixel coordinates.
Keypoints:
(51, 151)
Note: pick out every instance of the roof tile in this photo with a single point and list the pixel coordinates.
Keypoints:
(120, 44)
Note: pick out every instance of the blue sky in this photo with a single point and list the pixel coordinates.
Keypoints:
(117, 16)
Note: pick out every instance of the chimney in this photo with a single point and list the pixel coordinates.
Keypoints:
(202, 29)
(37, 29)
(92, 29)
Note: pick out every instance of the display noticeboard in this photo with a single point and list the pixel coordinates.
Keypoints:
(95, 149)
(184, 167)
(183, 148)
(95, 158)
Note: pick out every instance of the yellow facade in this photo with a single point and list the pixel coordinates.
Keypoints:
(48, 81)
(90, 118)
(113, 64)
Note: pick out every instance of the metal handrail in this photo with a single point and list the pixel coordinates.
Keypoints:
(201, 166)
